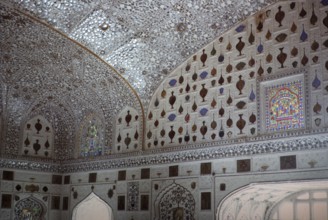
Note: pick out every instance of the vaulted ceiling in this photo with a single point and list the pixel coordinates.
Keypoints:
(143, 40)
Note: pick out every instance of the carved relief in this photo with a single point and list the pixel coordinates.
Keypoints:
(175, 202)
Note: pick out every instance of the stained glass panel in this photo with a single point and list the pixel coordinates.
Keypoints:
(284, 106)
(91, 143)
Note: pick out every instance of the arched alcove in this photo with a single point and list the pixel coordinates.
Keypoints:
(280, 200)
(175, 202)
(92, 207)
(30, 208)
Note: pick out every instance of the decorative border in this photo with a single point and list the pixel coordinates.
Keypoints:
(264, 82)
(243, 149)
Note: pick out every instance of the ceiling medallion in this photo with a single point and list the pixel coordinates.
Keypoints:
(181, 27)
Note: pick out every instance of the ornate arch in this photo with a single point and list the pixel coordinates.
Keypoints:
(175, 202)
(30, 208)
(92, 206)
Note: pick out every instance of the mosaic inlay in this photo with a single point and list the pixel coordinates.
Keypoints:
(285, 106)
(144, 40)
(92, 138)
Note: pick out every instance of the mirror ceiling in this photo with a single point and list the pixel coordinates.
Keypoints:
(144, 40)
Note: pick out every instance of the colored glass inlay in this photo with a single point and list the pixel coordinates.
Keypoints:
(285, 106)
(91, 139)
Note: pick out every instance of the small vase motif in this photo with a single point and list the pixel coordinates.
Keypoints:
(314, 45)
(252, 118)
(163, 93)
(127, 141)
(304, 35)
(221, 132)
(229, 67)
(172, 99)
(260, 70)
(203, 57)
(221, 110)
(229, 100)
(36, 146)
(325, 21)
(241, 123)
(181, 79)
(251, 62)
(171, 134)
(47, 145)
(293, 28)
(240, 85)
(305, 59)
(27, 141)
(252, 95)
(213, 51)
(119, 138)
(194, 76)
(251, 37)
(128, 118)
(303, 12)
(136, 134)
(260, 47)
(162, 133)
(187, 136)
(38, 126)
(149, 134)
(280, 16)
(213, 123)
(194, 105)
(156, 103)
(294, 52)
(229, 121)
(203, 92)
(282, 57)
(203, 129)
(292, 5)
(150, 115)
(314, 18)
(240, 45)
(260, 25)
(268, 35)
(316, 82)
(221, 80)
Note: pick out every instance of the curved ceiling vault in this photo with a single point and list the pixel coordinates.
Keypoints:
(143, 40)
(48, 74)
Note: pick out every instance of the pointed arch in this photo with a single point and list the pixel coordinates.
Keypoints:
(175, 202)
(92, 207)
(30, 208)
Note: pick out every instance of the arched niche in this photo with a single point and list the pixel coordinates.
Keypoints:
(128, 134)
(91, 138)
(175, 202)
(30, 208)
(278, 200)
(306, 204)
(92, 207)
(38, 138)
